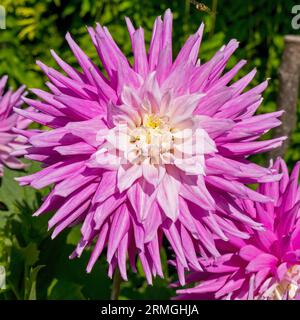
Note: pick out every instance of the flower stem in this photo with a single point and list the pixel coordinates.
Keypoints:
(213, 17)
(116, 285)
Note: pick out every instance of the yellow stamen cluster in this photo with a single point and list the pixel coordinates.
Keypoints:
(289, 286)
(152, 121)
(152, 138)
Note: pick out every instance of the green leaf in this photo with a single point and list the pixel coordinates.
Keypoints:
(31, 283)
(74, 236)
(30, 254)
(65, 290)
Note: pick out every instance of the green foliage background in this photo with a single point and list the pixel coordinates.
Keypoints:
(38, 267)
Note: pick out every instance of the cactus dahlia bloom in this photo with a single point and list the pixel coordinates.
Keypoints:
(11, 144)
(266, 266)
(150, 150)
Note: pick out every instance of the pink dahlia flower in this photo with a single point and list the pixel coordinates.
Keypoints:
(266, 266)
(150, 150)
(11, 144)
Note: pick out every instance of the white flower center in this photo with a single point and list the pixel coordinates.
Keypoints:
(153, 139)
(288, 288)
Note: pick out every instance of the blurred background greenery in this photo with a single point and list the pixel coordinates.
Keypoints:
(38, 267)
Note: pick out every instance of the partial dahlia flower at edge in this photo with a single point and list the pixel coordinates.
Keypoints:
(150, 151)
(266, 266)
(11, 143)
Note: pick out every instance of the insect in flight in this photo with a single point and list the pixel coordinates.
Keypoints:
(200, 6)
